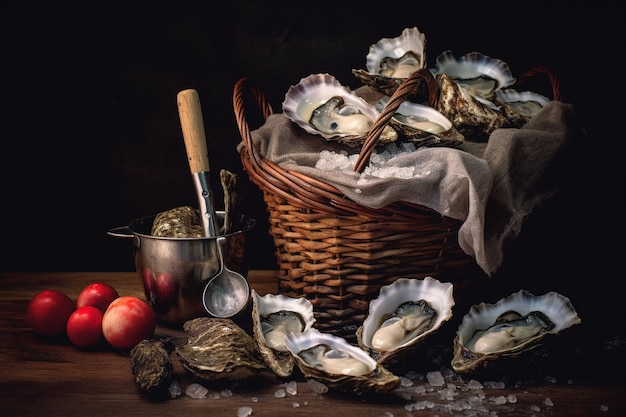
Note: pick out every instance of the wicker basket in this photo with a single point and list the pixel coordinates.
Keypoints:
(337, 253)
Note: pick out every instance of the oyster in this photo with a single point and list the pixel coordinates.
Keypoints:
(322, 106)
(219, 350)
(391, 60)
(333, 361)
(472, 117)
(404, 314)
(479, 74)
(511, 326)
(423, 125)
(526, 103)
(273, 317)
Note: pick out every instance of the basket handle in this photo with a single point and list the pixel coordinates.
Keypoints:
(549, 72)
(410, 87)
(240, 112)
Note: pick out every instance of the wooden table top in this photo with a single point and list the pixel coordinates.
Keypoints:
(40, 377)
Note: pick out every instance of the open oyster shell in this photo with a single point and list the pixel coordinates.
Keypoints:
(333, 361)
(219, 350)
(479, 74)
(322, 106)
(511, 326)
(390, 61)
(273, 317)
(526, 103)
(472, 117)
(405, 313)
(423, 125)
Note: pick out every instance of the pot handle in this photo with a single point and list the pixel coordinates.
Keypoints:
(120, 231)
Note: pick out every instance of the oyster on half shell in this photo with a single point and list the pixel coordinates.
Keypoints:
(273, 318)
(479, 74)
(331, 360)
(390, 61)
(405, 313)
(423, 125)
(511, 326)
(322, 106)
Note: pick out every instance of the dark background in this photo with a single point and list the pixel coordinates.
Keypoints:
(91, 136)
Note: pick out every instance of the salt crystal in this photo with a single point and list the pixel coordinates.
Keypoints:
(494, 385)
(512, 398)
(227, 393)
(196, 391)
(548, 402)
(213, 395)
(255, 399)
(534, 408)
(474, 384)
(244, 411)
(604, 408)
(405, 382)
(500, 400)
(291, 387)
(435, 378)
(295, 405)
(174, 389)
(280, 393)
(551, 379)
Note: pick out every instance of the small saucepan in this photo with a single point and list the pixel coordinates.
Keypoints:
(175, 271)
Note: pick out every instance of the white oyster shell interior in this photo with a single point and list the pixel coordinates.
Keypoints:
(322, 106)
(398, 57)
(527, 103)
(515, 321)
(406, 311)
(419, 116)
(479, 74)
(279, 315)
(329, 353)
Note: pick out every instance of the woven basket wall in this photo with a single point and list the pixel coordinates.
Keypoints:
(337, 253)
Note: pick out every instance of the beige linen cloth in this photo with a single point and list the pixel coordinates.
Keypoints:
(490, 186)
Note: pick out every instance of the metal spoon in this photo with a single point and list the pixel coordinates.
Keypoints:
(228, 292)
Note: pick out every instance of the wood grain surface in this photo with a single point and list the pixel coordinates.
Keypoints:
(52, 377)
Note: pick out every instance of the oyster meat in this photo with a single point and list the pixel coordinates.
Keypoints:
(322, 106)
(219, 350)
(404, 314)
(511, 326)
(273, 318)
(478, 74)
(423, 125)
(390, 61)
(333, 361)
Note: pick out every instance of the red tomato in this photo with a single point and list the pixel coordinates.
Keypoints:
(84, 327)
(98, 294)
(48, 312)
(128, 321)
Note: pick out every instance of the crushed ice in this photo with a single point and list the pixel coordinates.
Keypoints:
(380, 165)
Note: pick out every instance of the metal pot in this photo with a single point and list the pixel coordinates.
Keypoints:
(175, 271)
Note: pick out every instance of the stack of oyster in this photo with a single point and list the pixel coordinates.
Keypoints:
(475, 95)
(403, 316)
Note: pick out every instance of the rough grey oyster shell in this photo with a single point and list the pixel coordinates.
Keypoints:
(219, 350)
(510, 327)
